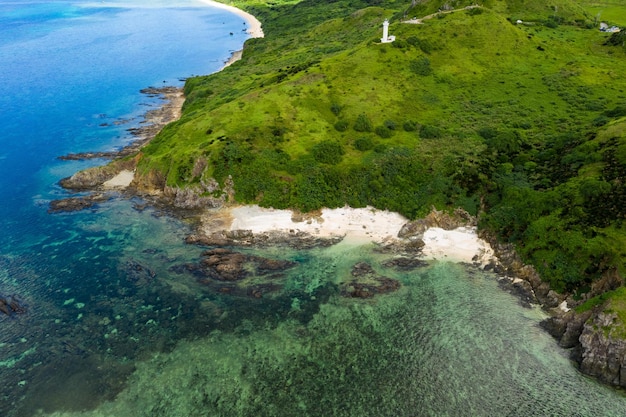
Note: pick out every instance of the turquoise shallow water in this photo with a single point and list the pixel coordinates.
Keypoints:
(117, 323)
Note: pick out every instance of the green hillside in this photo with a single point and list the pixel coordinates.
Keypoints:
(612, 12)
(521, 123)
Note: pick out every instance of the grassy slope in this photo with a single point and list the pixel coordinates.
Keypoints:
(523, 118)
(612, 12)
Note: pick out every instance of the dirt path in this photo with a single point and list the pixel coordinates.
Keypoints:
(419, 21)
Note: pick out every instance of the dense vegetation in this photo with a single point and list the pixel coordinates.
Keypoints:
(522, 123)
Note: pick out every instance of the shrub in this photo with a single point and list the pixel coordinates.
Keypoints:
(336, 108)
(364, 143)
(551, 24)
(327, 152)
(384, 132)
(616, 39)
(278, 131)
(615, 112)
(390, 124)
(426, 46)
(380, 148)
(506, 142)
(600, 121)
(413, 41)
(363, 123)
(430, 132)
(487, 132)
(409, 126)
(341, 126)
(421, 66)
(400, 44)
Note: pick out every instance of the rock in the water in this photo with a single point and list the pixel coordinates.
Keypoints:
(367, 284)
(226, 265)
(362, 268)
(76, 203)
(297, 240)
(11, 305)
(381, 285)
(405, 264)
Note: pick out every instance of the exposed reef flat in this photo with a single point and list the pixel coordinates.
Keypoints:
(154, 120)
(119, 173)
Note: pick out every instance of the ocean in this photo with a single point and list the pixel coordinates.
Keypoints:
(116, 320)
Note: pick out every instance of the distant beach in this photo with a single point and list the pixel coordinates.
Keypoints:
(254, 26)
(174, 101)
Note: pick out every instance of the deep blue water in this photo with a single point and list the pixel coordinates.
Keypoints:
(115, 324)
(68, 67)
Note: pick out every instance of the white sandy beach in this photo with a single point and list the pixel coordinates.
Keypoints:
(254, 26)
(362, 226)
(458, 245)
(121, 180)
(366, 224)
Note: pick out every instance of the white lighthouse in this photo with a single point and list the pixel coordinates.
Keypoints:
(386, 38)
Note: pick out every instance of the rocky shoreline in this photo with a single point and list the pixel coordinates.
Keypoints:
(92, 182)
(586, 334)
(154, 120)
(595, 349)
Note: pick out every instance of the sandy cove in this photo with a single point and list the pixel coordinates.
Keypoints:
(356, 226)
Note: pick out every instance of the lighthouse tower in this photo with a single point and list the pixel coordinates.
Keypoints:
(386, 38)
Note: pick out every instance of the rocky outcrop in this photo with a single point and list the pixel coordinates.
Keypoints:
(566, 327)
(230, 272)
(511, 265)
(76, 203)
(367, 284)
(226, 265)
(154, 121)
(207, 194)
(603, 352)
(436, 218)
(405, 263)
(296, 240)
(92, 178)
(410, 247)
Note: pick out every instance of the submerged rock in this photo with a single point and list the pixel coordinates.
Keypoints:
(381, 285)
(222, 265)
(367, 284)
(405, 264)
(245, 238)
(412, 246)
(11, 305)
(362, 268)
(76, 203)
